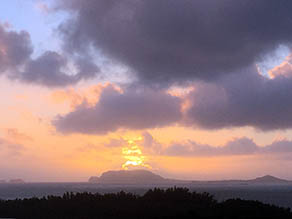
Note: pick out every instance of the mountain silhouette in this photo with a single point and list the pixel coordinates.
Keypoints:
(268, 179)
(130, 177)
(134, 177)
(144, 177)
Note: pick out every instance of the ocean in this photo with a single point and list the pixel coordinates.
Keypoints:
(280, 195)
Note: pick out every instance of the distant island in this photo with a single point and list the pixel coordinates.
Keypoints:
(264, 180)
(144, 177)
(133, 177)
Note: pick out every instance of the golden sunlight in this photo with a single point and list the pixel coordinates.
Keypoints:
(134, 157)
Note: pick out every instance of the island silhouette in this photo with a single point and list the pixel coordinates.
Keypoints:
(175, 200)
(144, 177)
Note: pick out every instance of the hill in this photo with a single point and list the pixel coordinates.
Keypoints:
(268, 179)
(144, 177)
(133, 177)
(130, 177)
(264, 180)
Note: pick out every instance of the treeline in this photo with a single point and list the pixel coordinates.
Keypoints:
(175, 202)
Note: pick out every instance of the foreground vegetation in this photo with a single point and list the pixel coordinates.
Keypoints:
(158, 203)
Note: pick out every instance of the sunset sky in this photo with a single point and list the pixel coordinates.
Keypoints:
(187, 89)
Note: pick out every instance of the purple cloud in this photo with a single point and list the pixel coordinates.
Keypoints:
(15, 49)
(132, 109)
(237, 147)
(169, 41)
(49, 69)
(244, 99)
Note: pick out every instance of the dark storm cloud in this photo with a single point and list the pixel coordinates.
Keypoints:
(241, 146)
(49, 69)
(15, 48)
(133, 109)
(245, 99)
(171, 40)
(238, 100)
(168, 41)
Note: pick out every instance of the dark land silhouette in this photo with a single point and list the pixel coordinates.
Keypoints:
(144, 177)
(133, 177)
(155, 203)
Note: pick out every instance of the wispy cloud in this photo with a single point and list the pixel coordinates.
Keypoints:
(15, 135)
(236, 147)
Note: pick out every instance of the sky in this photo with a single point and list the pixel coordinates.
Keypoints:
(187, 89)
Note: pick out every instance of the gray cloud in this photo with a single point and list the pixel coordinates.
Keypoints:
(245, 99)
(150, 144)
(49, 69)
(15, 49)
(148, 140)
(283, 146)
(172, 41)
(241, 146)
(133, 109)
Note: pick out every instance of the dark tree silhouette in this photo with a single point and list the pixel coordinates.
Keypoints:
(155, 203)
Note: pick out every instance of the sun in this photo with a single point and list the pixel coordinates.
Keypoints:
(133, 156)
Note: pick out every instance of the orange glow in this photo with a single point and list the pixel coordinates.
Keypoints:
(133, 155)
(283, 69)
(75, 97)
(180, 91)
(46, 155)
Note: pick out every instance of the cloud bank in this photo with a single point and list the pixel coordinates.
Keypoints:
(213, 46)
(50, 69)
(245, 99)
(237, 147)
(133, 108)
(15, 48)
(169, 41)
